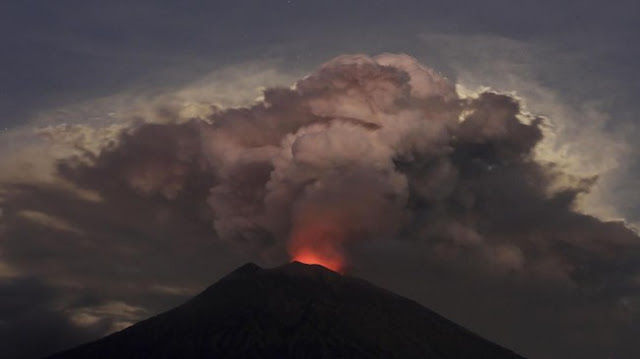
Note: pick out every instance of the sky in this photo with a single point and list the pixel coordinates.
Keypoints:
(477, 157)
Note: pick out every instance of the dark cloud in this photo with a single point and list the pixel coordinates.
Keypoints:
(31, 324)
(374, 163)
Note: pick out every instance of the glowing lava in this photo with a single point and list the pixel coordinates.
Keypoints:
(308, 257)
(318, 243)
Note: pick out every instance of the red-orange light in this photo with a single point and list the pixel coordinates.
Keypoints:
(318, 242)
(308, 257)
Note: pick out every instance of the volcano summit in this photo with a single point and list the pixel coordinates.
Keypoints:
(293, 311)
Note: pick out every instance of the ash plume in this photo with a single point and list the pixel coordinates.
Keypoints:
(366, 148)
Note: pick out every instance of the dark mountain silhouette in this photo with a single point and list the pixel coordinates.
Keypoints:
(293, 311)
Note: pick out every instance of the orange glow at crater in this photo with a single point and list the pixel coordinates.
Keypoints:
(335, 264)
(318, 243)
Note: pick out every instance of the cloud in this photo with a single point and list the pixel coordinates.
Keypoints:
(589, 129)
(47, 220)
(365, 161)
(30, 324)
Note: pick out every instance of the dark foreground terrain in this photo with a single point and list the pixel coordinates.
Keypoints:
(293, 311)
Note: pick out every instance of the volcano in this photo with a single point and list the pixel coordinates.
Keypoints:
(293, 311)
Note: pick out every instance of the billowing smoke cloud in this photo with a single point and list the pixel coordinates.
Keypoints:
(365, 148)
(368, 162)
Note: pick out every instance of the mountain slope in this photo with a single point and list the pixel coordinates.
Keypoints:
(293, 311)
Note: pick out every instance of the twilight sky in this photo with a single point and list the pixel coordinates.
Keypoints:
(477, 157)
